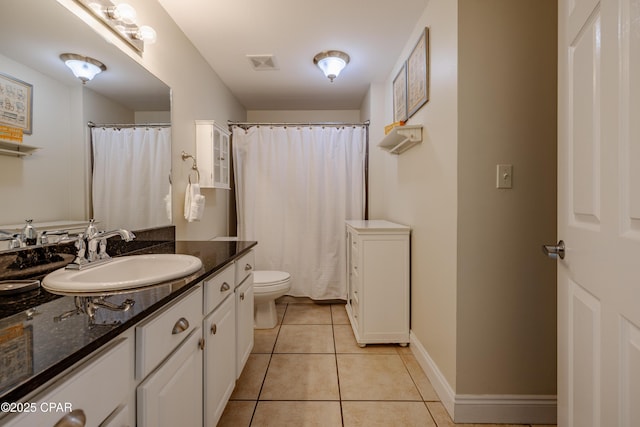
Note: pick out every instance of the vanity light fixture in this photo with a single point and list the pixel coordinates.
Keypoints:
(83, 67)
(121, 19)
(331, 62)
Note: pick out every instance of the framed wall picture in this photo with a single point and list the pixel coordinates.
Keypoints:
(16, 101)
(418, 74)
(400, 95)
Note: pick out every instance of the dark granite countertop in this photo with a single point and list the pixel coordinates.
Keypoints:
(40, 337)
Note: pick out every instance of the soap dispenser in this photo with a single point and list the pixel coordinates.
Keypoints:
(29, 234)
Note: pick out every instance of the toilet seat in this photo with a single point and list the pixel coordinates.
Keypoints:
(265, 279)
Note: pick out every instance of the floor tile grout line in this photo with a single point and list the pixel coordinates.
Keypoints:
(335, 358)
(268, 364)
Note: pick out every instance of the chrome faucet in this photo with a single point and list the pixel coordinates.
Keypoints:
(15, 240)
(43, 237)
(97, 244)
(92, 246)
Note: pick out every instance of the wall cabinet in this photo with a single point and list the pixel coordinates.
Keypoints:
(378, 285)
(212, 153)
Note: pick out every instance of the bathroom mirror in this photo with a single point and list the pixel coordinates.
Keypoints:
(53, 184)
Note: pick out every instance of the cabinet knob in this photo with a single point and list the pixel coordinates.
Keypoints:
(247, 267)
(201, 343)
(181, 325)
(75, 418)
(225, 287)
(242, 296)
(214, 329)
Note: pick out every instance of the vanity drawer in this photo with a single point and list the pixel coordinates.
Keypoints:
(216, 288)
(158, 336)
(244, 266)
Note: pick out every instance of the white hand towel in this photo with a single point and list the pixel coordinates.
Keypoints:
(187, 202)
(167, 204)
(194, 203)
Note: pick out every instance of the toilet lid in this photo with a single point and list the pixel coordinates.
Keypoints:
(268, 277)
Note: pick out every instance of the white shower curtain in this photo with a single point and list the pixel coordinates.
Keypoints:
(131, 168)
(295, 186)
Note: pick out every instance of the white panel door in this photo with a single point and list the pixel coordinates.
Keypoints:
(599, 213)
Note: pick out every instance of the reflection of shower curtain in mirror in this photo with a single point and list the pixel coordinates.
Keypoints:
(131, 168)
(295, 188)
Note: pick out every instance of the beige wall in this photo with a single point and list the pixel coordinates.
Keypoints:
(22, 193)
(507, 114)
(302, 116)
(483, 296)
(419, 188)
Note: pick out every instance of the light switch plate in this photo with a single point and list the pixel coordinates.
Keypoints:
(504, 176)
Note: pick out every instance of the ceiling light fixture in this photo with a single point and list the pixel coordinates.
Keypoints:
(121, 19)
(331, 62)
(83, 67)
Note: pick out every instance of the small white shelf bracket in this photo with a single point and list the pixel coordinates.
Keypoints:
(401, 138)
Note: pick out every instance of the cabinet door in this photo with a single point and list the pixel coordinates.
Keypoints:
(172, 395)
(219, 359)
(244, 323)
(221, 158)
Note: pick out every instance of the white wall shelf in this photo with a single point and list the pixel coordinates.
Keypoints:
(401, 138)
(15, 149)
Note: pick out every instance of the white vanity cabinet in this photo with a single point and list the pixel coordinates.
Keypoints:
(169, 360)
(244, 309)
(219, 330)
(219, 333)
(99, 387)
(172, 395)
(212, 153)
(378, 286)
(176, 367)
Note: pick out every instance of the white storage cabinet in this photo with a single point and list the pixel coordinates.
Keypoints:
(212, 153)
(378, 285)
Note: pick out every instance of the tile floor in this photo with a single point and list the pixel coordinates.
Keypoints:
(309, 371)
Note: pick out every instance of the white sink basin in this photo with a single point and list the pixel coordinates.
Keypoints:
(122, 273)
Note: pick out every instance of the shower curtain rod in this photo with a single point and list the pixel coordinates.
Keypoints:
(336, 124)
(126, 125)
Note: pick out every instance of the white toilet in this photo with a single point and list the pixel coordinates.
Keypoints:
(267, 286)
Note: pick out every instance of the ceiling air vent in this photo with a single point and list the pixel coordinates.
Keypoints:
(263, 62)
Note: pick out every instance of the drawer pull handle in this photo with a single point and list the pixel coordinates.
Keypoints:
(248, 267)
(214, 329)
(75, 418)
(181, 325)
(242, 296)
(225, 287)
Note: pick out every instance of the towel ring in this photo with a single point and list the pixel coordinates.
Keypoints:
(197, 176)
(194, 167)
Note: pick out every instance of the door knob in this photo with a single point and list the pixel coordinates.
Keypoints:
(554, 251)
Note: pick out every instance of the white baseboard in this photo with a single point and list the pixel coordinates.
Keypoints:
(498, 409)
